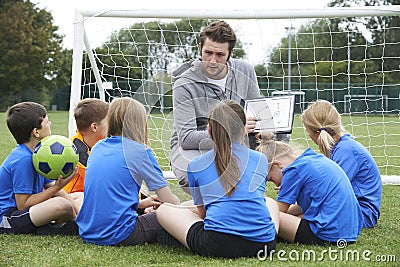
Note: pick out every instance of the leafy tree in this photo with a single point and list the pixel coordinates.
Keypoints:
(30, 46)
(129, 52)
(311, 46)
(59, 93)
(262, 73)
(384, 45)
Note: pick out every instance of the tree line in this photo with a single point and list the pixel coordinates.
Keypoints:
(33, 62)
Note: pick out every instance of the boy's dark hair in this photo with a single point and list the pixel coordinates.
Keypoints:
(219, 32)
(89, 110)
(23, 117)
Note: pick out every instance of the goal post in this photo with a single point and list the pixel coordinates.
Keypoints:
(341, 54)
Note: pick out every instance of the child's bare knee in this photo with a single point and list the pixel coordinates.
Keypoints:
(160, 210)
(64, 207)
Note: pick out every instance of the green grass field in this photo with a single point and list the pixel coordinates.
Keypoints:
(379, 245)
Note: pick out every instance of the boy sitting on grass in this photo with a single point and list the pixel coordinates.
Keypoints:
(28, 200)
(91, 121)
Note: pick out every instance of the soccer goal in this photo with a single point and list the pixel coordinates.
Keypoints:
(347, 55)
(365, 103)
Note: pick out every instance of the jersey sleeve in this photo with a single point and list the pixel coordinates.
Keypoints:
(151, 172)
(23, 174)
(290, 187)
(194, 188)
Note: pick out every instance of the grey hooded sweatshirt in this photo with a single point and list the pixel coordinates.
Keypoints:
(194, 97)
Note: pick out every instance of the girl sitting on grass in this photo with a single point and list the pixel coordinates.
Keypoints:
(327, 210)
(231, 217)
(323, 123)
(115, 170)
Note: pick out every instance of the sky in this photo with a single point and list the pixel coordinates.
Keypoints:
(64, 15)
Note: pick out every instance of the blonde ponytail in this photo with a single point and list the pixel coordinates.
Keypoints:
(271, 148)
(325, 142)
(321, 116)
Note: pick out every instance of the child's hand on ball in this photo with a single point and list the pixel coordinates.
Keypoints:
(61, 182)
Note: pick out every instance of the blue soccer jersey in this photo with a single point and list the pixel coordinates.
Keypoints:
(115, 171)
(323, 191)
(360, 167)
(244, 213)
(18, 176)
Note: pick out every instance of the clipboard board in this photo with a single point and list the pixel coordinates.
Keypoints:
(275, 113)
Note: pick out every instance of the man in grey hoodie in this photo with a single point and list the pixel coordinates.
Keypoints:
(199, 86)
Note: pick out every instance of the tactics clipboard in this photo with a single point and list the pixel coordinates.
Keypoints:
(274, 113)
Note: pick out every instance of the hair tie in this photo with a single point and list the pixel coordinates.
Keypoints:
(322, 129)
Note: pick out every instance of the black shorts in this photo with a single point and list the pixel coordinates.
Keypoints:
(304, 235)
(17, 222)
(146, 230)
(216, 244)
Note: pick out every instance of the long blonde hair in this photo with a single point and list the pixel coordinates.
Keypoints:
(321, 116)
(226, 125)
(272, 149)
(127, 118)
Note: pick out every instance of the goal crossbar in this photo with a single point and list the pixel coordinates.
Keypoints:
(327, 12)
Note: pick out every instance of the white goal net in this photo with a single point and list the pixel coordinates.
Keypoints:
(348, 56)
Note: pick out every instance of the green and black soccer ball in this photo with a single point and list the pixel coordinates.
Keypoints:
(55, 155)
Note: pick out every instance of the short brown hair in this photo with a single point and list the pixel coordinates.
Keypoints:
(89, 110)
(219, 32)
(23, 117)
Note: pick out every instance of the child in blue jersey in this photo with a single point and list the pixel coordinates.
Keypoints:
(231, 218)
(27, 200)
(321, 189)
(115, 170)
(323, 123)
